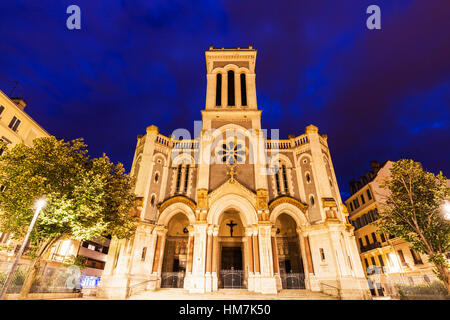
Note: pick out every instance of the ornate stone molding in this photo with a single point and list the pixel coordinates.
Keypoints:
(262, 199)
(287, 199)
(329, 203)
(176, 199)
(202, 199)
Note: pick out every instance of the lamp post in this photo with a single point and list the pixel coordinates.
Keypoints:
(39, 205)
(446, 209)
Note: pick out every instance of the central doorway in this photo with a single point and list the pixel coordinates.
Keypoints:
(232, 262)
(231, 270)
(231, 258)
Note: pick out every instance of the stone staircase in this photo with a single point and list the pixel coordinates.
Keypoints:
(230, 294)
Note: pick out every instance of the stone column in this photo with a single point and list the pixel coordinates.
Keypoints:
(199, 259)
(225, 89)
(308, 255)
(304, 257)
(250, 277)
(276, 264)
(215, 258)
(190, 251)
(157, 254)
(158, 257)
(208, 279)
(211, 85)
(268, 283)
(251, 90)
(256, 251)
(237, 89)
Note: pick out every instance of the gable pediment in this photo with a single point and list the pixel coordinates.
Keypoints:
(232, 187)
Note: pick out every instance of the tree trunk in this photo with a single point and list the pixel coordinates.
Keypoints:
(34, 267)
(31, 275)
(443, 272)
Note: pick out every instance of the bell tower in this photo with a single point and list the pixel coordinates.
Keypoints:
(230, 78)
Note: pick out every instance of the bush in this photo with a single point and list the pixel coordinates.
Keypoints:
(435, 288)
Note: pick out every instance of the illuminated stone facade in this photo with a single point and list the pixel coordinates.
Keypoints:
(232, 209)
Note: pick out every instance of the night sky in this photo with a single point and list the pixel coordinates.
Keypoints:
(378, 94)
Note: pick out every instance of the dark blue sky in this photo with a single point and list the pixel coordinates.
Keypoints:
(379, 95)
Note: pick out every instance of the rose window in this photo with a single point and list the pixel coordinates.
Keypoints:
(232, 153)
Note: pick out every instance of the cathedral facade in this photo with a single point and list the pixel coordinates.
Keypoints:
(233, 208)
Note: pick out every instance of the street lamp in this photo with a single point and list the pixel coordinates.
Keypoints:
(38, 207)
(446, 209)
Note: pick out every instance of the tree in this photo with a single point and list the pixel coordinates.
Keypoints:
(86, 197)
(413, 211)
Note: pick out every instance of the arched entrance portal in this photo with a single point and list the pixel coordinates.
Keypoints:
(289, 256)
(231, 258)
(175, 252)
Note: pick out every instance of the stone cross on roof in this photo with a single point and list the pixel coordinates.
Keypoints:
(232, 173)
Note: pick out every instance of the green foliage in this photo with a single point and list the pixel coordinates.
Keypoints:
(413, 211)
(86, 198)
(17, 280)
(434, 288)
(79, 261)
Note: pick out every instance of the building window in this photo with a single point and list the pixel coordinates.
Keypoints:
(402, 257)
(219, 90)
(156, 177)
(312, 201)
(277, 180)
(152, 200)
(308, 178)
(416, 257)
(367, 239)
(2, 108)
(360, 243)
(351, 207)
(367, 263)
(362, 199)
(232, 153)
(186, 178)
(322, 254)
(380, 258)
(286, 189)
(373, 261)
(144, 253)
(243, 90)
(231, 88)
(369, 196)
(178, 178)
(374, 237)
(14, 124)
(383, 239)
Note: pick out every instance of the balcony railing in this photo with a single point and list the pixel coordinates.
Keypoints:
(371, 246)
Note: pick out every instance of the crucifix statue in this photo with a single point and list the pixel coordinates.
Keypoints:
(231, 173)
(231, 225)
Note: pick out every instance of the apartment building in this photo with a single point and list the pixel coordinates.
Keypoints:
(387, 260)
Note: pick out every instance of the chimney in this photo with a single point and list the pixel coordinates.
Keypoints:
(19, 102)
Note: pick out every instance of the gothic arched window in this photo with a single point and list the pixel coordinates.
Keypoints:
(178, 178)
(277, 180)
(231, 93)
(219, 90)
(186, 178)
(243, 90)
(286, 188)
(232, 153)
